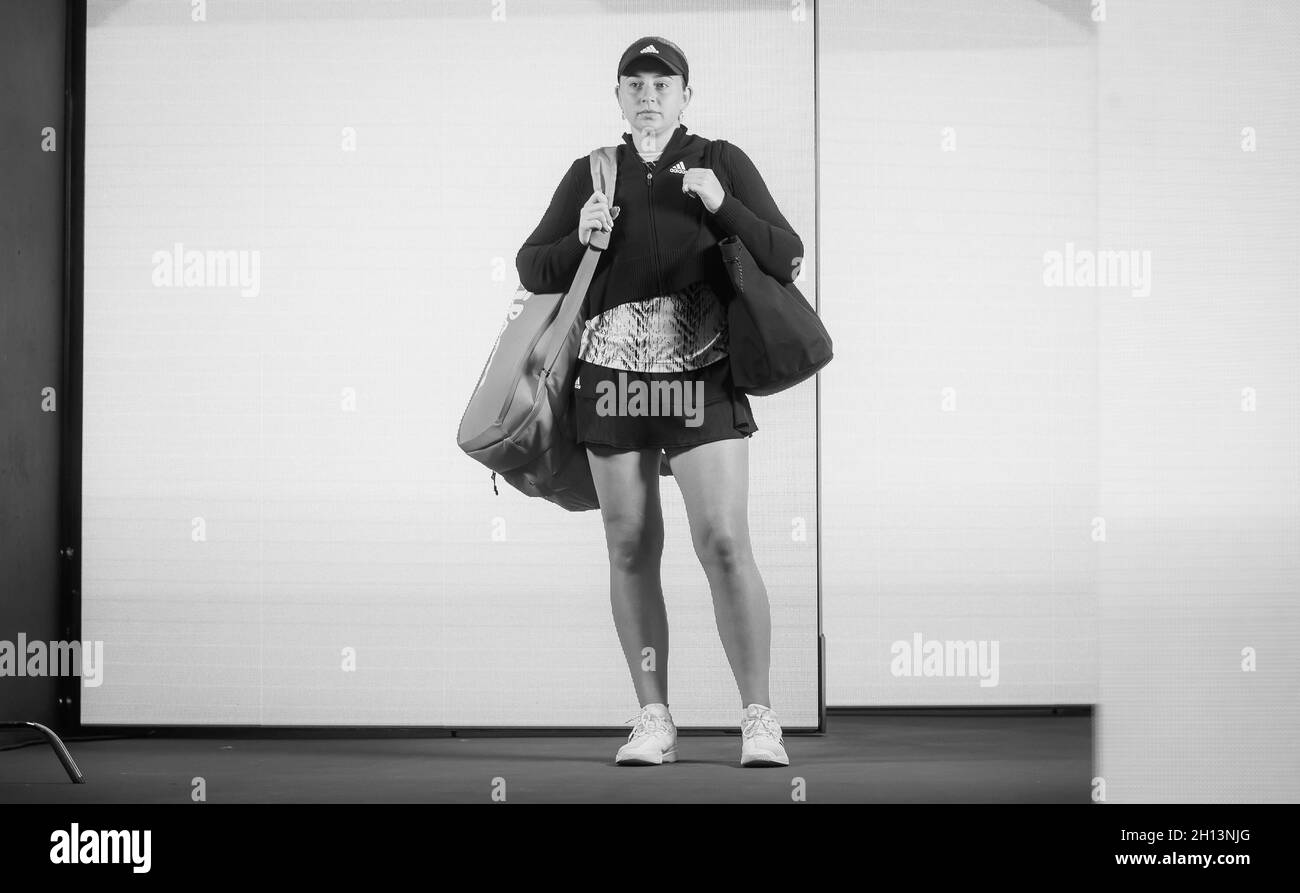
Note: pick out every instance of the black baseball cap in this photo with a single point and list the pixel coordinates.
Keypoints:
(667, 52)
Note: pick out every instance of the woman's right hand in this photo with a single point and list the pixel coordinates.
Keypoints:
(595, 215)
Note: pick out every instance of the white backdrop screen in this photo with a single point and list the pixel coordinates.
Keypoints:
(278, 525)
(959, 417)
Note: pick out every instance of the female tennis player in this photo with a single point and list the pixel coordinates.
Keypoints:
(654, 381)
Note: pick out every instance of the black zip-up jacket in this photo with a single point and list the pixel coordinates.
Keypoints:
(663, 239)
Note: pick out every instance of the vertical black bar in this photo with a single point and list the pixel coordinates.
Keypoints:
(70, 406)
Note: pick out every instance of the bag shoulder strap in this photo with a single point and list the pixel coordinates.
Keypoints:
(604, 168)
(713, 160)
(604, 175)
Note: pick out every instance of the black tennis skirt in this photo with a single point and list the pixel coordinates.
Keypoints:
(644, 410)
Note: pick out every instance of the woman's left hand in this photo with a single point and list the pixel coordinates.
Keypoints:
(702, 182)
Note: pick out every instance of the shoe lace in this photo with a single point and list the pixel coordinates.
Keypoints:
(647, 723)
(761, 726)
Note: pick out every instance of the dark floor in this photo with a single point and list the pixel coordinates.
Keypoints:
(860, 759)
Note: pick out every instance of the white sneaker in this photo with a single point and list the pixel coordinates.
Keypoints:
(653, 739)
(761, 742)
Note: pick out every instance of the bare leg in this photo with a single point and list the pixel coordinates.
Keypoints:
(627, 484)
(714, 480)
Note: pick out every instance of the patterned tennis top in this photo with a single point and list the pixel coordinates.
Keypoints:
(677, 332)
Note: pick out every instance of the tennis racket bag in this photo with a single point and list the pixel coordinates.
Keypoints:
(519, 421)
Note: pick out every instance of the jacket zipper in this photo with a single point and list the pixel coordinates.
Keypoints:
(654, 234)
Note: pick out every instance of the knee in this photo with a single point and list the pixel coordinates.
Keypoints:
(722, 548)
(634, 546)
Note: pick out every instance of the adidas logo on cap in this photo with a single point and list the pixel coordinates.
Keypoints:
(649, 48)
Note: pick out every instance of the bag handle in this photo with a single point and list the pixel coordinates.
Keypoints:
(604, 177)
